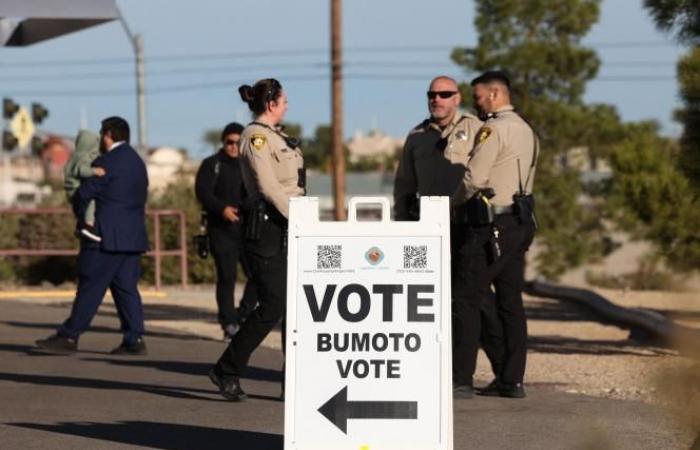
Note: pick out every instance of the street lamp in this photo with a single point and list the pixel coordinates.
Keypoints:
(47, 19)
(137, 44)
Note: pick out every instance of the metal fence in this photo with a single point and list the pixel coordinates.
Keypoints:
(157, 252)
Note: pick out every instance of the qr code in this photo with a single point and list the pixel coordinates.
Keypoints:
(328, 256)
(415, 256)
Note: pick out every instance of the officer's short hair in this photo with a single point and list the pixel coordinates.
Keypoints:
(231, 128)
(117, 127)
(491, 77)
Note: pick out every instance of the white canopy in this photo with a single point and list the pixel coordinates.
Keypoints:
(26, 22)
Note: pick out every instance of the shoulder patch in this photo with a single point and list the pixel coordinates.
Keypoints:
(483, 134)
(258, 141)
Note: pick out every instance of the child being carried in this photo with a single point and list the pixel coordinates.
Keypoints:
(78, 168)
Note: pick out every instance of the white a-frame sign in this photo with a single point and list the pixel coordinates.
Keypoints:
(368, 330)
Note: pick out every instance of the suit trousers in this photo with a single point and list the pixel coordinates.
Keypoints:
(476, 271)
(98, 271)
(269, 277)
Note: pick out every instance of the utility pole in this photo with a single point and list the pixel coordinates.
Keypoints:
(136, 41)
(338, 159)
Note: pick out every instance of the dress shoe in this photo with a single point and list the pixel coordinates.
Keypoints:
(58, 344)
(463, 391)
(508, 390)
(229, 387)
(493, 389)
(137, 348)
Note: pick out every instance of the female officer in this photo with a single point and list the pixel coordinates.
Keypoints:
(272, 172)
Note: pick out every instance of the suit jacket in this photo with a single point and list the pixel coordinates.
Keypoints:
(120, 199)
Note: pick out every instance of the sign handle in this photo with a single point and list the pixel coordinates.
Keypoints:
(355, 201)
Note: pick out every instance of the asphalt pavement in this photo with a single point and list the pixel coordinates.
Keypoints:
(164, 400)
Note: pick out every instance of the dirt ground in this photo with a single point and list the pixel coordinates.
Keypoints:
(572, 351)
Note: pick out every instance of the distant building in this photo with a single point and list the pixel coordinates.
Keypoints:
(163, 164)
(373, 145)
(357, 184)
(20, 193)
(592, 169)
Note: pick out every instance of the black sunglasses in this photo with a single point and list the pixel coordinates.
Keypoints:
(232, 142)
(441, 94)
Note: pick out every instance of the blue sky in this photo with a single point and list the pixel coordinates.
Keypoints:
(197, 53)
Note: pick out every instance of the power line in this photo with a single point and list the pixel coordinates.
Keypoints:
(155, 72)
(85, 76)
(295, 53)
(308, 77)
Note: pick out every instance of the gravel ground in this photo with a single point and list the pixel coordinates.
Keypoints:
(571, 351)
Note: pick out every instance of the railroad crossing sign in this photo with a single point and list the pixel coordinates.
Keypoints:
(22, 127)
(368, 360)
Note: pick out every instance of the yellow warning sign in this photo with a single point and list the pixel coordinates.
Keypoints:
(22, 127)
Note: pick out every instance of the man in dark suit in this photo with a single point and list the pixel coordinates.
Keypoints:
(114, 262)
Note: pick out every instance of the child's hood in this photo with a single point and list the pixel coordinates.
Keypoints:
(87, 143)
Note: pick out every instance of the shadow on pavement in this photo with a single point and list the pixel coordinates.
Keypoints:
(677, 314)
(176, 312)
(102, 329)
(14, 348)
(32, 350)
(551, 310)
(192, 368)
(567, 346)
(90, 383)
(164, 436)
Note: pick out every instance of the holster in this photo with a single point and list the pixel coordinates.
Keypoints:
(265, 229)
(413, 207)
(477, 210)
(301, 178)
(255, 221)
(201, 243)
(201, 240)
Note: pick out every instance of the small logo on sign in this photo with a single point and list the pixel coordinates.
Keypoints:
(374, 256)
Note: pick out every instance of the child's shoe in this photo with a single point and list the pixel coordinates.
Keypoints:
(89, 232)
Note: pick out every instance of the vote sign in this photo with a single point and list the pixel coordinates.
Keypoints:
(368, 331)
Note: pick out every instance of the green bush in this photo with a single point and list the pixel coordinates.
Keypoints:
(56, 231)
(179, 195)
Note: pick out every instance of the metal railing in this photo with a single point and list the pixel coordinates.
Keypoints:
(157, 252)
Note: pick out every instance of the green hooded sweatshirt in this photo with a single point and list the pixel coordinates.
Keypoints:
(87, 148)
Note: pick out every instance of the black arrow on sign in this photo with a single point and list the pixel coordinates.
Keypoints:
(338, 410)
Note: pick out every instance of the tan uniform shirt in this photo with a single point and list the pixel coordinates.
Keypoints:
(271, 168)
(504, 145)
(434, 160)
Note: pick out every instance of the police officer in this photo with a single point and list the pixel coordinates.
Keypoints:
(433, 163)
(219, 188)
(498, 230)
(272, 173)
